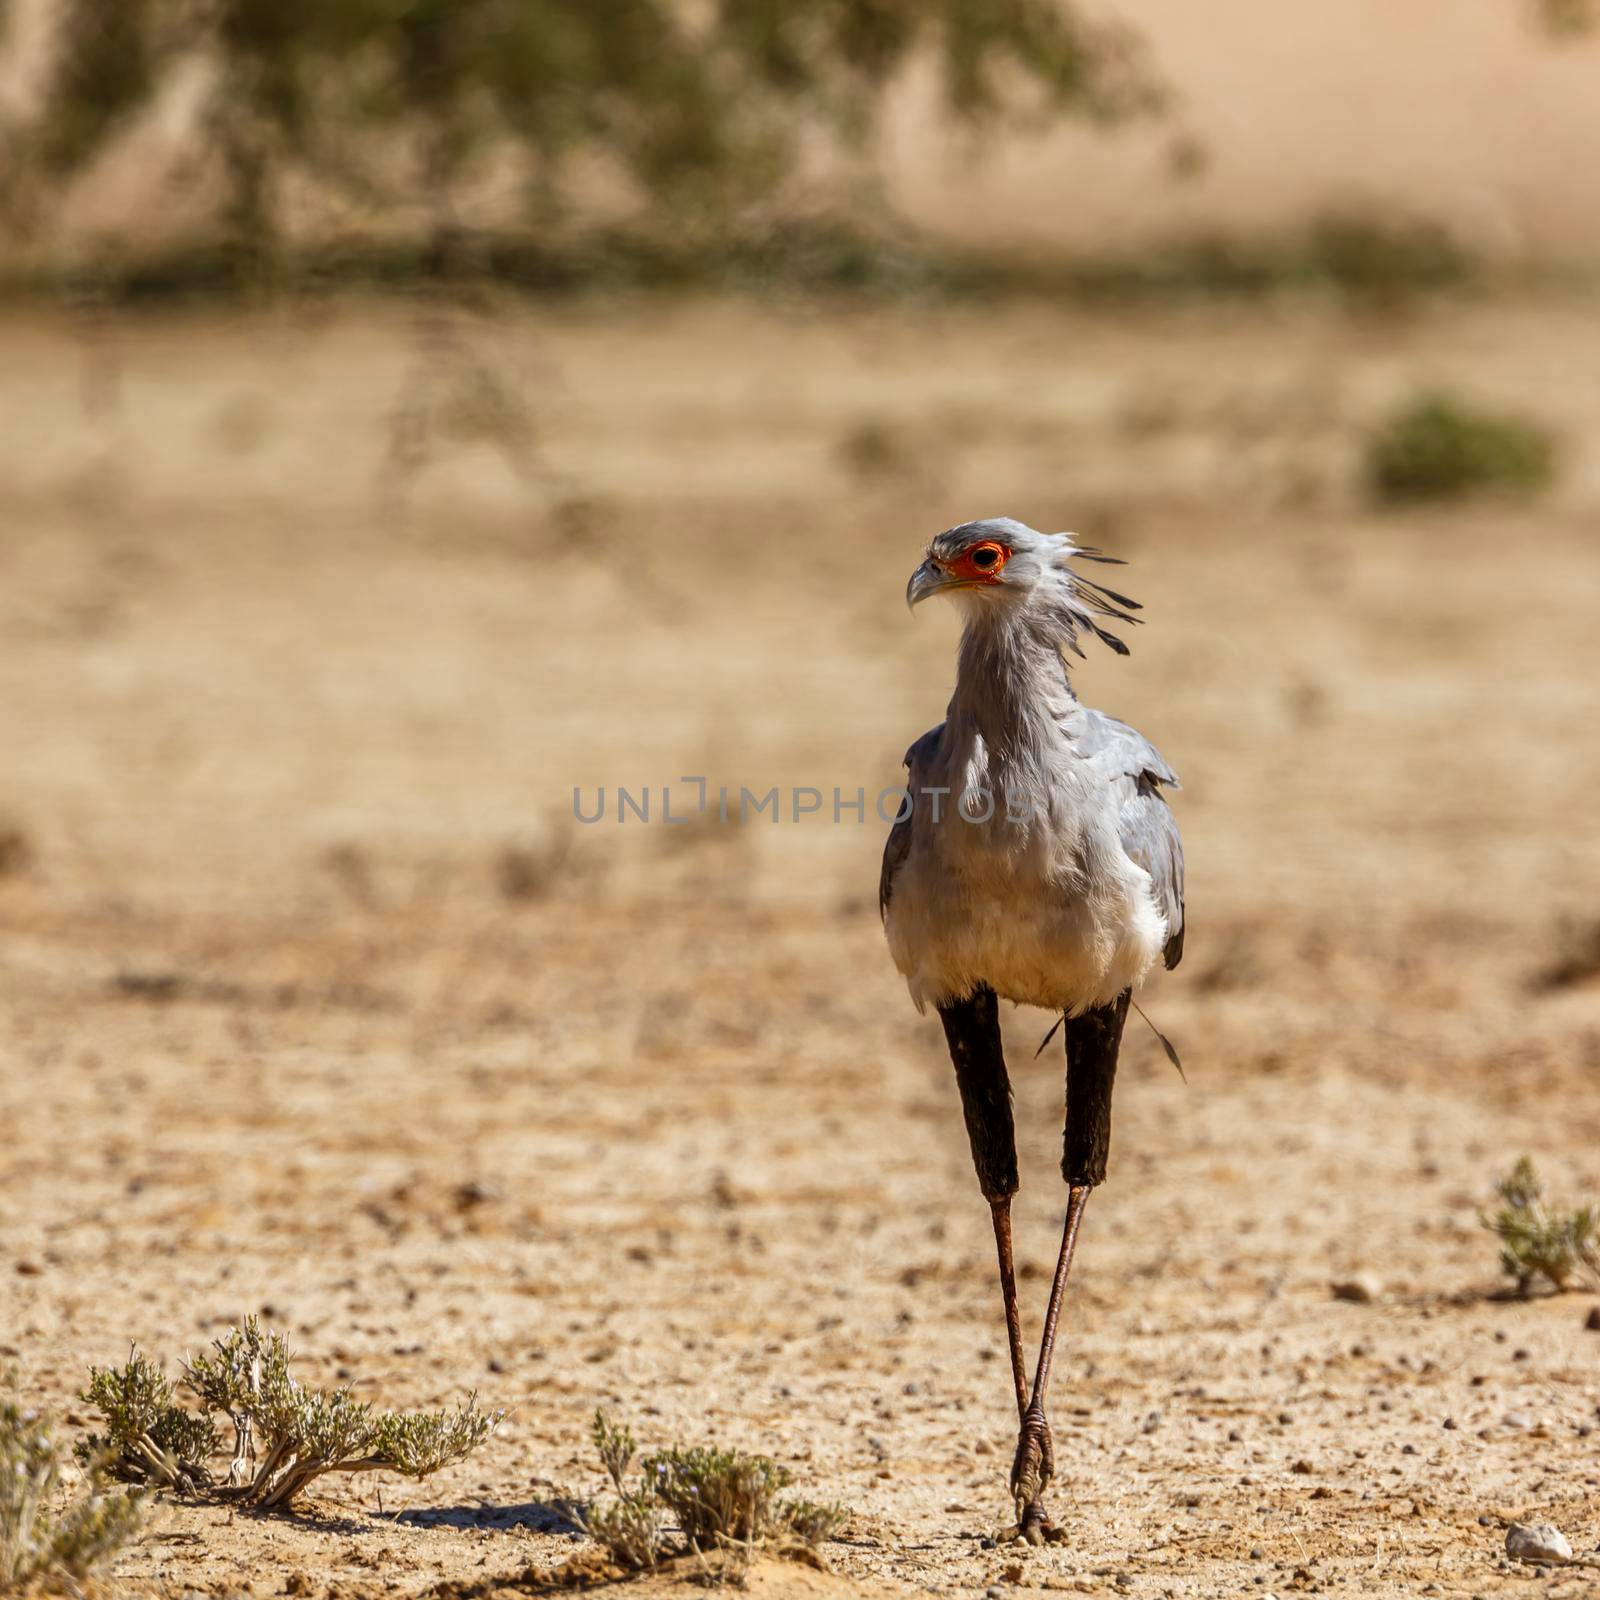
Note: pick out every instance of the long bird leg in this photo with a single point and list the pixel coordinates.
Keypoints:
(1001, 1212)
(972, 1030)
(1092, 1044)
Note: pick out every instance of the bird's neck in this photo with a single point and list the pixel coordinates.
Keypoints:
(1011, 682)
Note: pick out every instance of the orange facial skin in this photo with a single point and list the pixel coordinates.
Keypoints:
(981, 565)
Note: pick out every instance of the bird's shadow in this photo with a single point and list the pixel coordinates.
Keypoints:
(556, 1515)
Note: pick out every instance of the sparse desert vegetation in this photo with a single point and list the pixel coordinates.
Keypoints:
(51, 1537)
(318, 998)
(149, 1438)
(286, 1435)
(719, 1500)
(1541, 1242)
(289, 1435)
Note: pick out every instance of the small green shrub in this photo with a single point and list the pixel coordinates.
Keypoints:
(1438, 447)
(285, 1435)
(1535, 1242)
(43, 1546)
(631, 1527)
(720, 1498)
(812, 1521)
(149, 1438)
(303, 1433)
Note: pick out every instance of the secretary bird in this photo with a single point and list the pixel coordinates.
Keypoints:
(1034, 860)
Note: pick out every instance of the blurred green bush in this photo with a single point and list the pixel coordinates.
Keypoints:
(1437, 446)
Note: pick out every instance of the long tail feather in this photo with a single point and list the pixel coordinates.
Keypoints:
(1166, 1043)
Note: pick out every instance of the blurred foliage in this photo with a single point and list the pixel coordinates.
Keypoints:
(1563, 1247)
(1567, 18)
(47, 1546)
(1370, 260)
(405, 105)
(105, 70)
(1375, 264)
(1436, 446)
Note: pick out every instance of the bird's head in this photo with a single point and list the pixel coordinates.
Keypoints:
(1002, 569)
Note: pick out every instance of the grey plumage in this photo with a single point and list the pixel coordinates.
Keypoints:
(1064, 896)
(1148, 829)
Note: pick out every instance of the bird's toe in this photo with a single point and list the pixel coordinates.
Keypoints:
(1031, 1527)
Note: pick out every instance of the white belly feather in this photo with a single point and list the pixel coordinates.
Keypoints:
(1049, 914)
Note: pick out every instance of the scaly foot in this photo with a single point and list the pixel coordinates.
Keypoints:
(1031, 1470)
(1034, 1463)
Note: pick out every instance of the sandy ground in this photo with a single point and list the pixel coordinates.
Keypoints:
(316, 1001)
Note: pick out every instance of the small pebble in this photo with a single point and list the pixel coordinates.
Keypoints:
(1539, 1542)
(1363, 1288)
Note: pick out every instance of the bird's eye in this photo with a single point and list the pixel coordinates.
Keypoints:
(986, 557)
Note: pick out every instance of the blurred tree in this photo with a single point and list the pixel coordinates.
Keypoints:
(406, 103)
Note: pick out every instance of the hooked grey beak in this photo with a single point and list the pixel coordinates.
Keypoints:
(926, 580)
